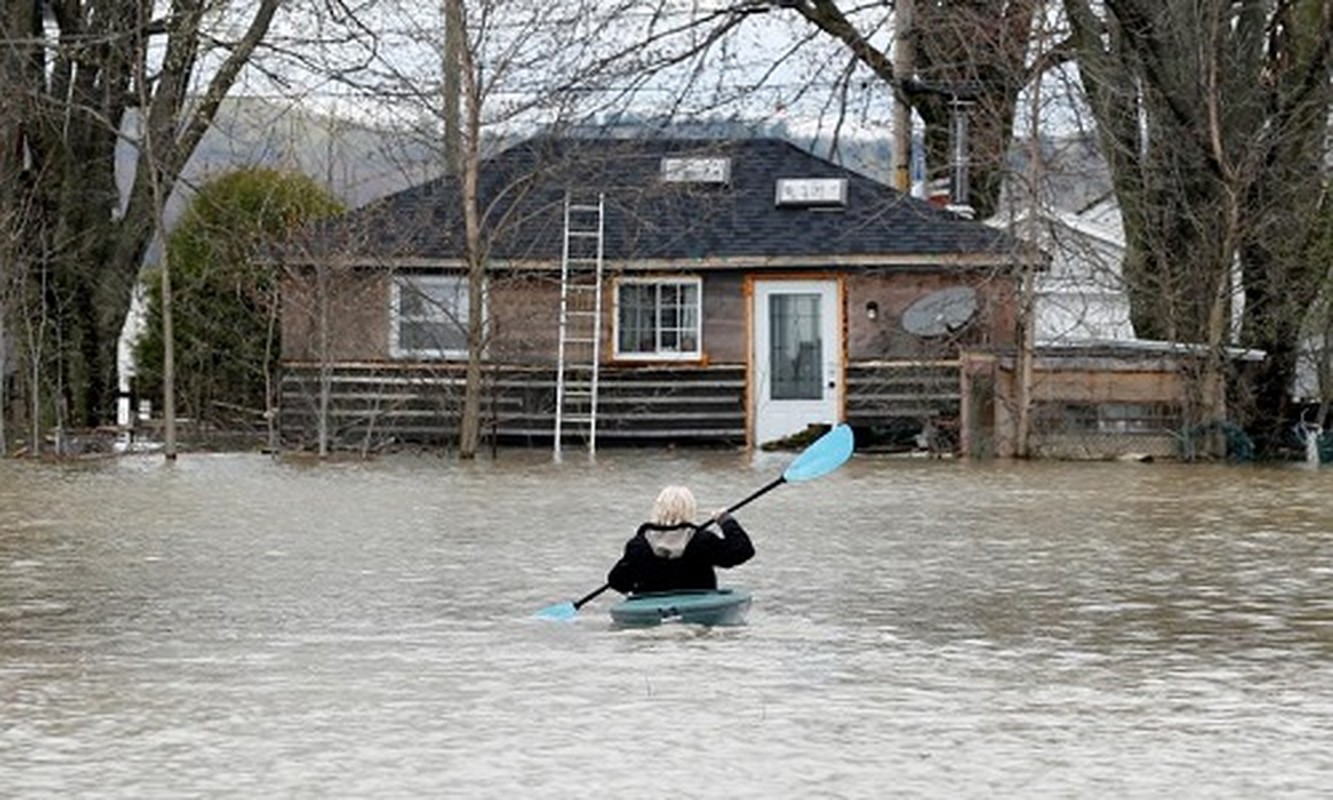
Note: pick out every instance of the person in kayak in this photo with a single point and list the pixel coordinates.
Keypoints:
(670, 552)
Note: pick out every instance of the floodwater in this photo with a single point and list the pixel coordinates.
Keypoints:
(232, 626)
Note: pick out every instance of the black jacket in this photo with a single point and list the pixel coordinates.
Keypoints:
(641, 570)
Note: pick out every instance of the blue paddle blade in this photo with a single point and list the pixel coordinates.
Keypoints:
(560, 612)
(829, 452)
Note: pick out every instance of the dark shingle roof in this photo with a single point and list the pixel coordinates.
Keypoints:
(523, 188)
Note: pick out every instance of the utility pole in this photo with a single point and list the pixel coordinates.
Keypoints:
(904, 69)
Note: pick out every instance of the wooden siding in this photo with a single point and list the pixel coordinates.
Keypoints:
(878, 392)
(523, 318)
(1090, 407)
(376, 405)
(344, 313)
(395, 403)
(892, 293)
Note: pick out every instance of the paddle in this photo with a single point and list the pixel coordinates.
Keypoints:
(826, 454)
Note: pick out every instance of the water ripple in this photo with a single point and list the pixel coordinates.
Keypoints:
(233, 626)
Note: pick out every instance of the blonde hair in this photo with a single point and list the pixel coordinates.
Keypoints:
(674, 505)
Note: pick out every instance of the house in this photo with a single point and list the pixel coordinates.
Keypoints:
(643, 289)
(1080, 296)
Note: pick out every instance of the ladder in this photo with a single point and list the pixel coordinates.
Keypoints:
(578, 354)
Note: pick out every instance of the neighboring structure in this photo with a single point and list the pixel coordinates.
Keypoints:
(749, 289)
(1097, 400)
(1080, 297)
(1097, 391)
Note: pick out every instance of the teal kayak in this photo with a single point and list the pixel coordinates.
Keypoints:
(698, 606)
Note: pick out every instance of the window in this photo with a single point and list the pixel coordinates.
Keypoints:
(428, 316)
(794, 347)
(1106, 418)
(1138, 418)
(658, 318)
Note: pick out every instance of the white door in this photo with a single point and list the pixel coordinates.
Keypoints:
(796, 366)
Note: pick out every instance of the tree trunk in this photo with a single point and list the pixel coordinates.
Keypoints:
(468, 169)
(469, 425)
(72, 107)
(975, 51)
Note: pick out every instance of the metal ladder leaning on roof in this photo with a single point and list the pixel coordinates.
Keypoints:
(578, 354)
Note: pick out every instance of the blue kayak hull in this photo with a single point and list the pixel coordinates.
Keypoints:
(698, 607)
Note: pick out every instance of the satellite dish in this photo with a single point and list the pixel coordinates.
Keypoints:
(941, 312)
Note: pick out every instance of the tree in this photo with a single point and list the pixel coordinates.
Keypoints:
(969, 58)
(507, 66)
(1213, 117)
(74, 77)
(225, 291)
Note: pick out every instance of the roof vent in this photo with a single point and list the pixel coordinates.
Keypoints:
(696, 170)
(804, 192)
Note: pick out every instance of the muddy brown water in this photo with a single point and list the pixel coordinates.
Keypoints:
(232, 626)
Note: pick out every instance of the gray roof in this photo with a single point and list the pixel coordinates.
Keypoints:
(648, 219)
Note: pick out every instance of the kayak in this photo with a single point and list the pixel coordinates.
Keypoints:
(696, 606)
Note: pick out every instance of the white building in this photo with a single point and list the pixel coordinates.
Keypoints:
(1081, 297)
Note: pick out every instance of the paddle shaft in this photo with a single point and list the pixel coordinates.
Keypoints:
(590, 595)
(781, 479)
(587, 598)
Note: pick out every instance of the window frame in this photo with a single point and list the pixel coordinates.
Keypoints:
(397, 283)
(659, 354)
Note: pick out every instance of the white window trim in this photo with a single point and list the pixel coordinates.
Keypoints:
(395, 294)
(664, 356)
